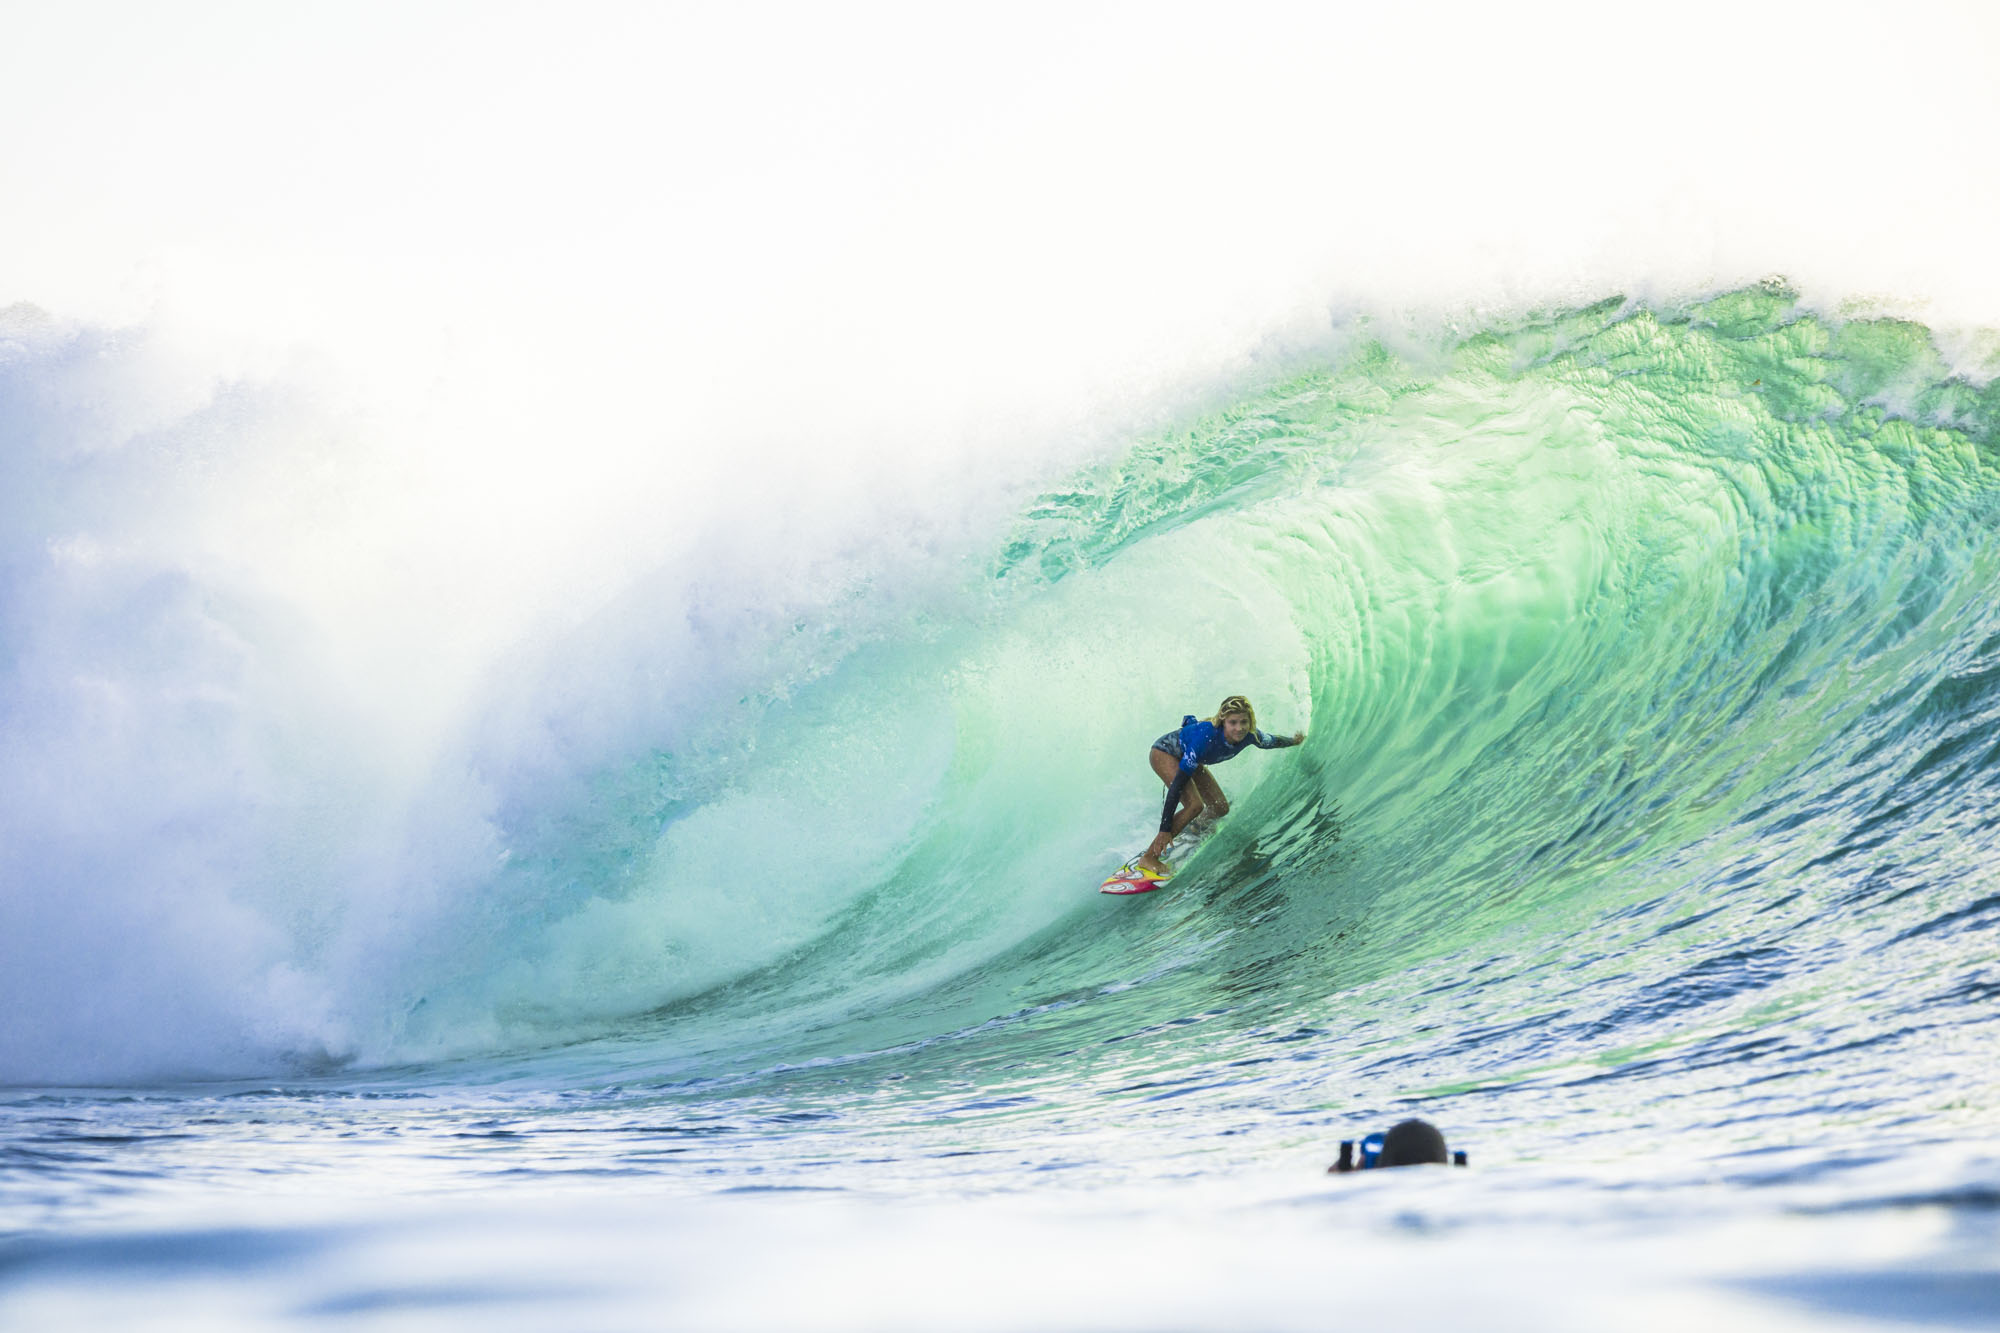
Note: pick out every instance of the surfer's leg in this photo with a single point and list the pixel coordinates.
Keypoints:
(1151, 859)
(1190, 807)
(1211, 793)
(1165, 767)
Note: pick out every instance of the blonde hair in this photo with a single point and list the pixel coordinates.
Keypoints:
(1235, 703)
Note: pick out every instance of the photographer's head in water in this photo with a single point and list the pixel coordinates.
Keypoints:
(1408, 1143)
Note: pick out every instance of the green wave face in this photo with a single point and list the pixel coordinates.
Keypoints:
(1651, 668)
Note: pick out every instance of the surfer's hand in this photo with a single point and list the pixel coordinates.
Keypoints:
(1298, 738)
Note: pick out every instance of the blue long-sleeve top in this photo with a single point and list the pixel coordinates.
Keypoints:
(1202, 742)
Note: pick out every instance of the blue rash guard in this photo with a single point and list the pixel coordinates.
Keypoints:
(1198, 743)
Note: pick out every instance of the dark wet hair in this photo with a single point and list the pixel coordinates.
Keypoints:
(1411, 1142)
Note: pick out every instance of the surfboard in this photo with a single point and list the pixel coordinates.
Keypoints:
(1126, 879)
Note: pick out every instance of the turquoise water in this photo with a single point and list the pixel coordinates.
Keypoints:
(1643, 840)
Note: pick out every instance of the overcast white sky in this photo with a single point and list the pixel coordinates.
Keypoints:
(695, 175)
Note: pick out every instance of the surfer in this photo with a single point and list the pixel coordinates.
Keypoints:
(1181, 759)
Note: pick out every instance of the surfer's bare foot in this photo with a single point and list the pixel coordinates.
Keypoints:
(1151, 863)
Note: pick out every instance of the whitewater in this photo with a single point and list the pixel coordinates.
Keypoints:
(582, 606)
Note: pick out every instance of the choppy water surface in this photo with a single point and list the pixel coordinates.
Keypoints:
(1644, 841)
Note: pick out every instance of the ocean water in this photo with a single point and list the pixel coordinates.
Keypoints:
(741, 966)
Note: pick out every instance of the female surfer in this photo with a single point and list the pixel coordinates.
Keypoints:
(1181, 759)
